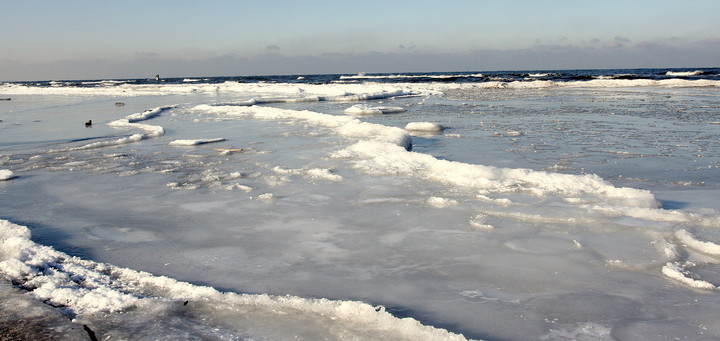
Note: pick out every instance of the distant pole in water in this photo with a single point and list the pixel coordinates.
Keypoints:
(157, 77)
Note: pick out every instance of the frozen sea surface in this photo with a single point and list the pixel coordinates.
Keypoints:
(496, 211)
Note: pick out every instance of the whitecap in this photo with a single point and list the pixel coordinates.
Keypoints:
(684, 73)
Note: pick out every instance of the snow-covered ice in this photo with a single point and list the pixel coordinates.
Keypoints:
(500, 210)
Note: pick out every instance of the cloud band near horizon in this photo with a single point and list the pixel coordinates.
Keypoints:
(618, 53)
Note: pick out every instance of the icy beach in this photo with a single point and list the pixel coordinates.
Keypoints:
(517, 206)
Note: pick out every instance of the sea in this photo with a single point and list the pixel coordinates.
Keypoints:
(514, 205)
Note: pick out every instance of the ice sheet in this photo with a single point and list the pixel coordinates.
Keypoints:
(550, 213)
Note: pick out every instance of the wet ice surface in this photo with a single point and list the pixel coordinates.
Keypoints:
(456, 233)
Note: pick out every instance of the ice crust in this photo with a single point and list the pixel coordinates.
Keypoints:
(681, 273)
(702, 246)
(6, 174)
(361, 109)
(345, 126)
(84, 288)
(130, 122)
(424, 127)
(381, 158)
(195, 142)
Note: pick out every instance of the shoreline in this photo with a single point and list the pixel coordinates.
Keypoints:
(23, 317)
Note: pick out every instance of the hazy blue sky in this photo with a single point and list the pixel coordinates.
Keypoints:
(74, 39)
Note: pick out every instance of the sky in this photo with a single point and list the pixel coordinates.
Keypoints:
(75, 39)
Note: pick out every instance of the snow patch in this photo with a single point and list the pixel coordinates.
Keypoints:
(704, 247)
(362, 109)
(680, 273)
(195, 142)
(424, 127)
(6, 174)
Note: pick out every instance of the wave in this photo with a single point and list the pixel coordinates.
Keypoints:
(413, 76)
(618, 76)
(600, 83)
(89, 292)
(269, 93)
(686, 73)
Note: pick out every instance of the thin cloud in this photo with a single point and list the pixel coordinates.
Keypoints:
(622, 39)
(140, 54)
(613, 45)
(612, 53)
